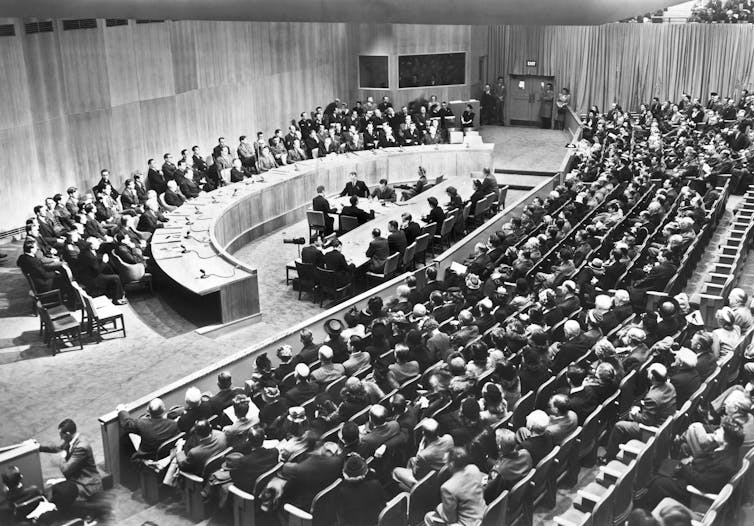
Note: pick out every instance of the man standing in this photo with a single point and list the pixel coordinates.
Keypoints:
(155, 178)
(500, 99)
(487, 106)
(355, 187)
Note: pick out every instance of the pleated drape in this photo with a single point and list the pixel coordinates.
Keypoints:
(629, 63)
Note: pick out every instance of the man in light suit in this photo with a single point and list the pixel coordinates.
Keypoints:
(378, 251)
(78, 467)
(355, 187)
(430, 457)
(462, 495)
(658, 404)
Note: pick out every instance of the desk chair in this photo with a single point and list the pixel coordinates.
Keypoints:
(307, 279)
(348, 223)
(317, 223)
(390, 269)
(328, 285)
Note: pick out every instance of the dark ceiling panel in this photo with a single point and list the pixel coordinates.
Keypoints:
(475, 12)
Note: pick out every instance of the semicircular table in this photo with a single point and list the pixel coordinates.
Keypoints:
(195, 248)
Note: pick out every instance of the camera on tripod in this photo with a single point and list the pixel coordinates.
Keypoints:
(295, 241)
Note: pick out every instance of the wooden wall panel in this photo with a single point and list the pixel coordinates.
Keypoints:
(84, 69)
(154, 61)
(120, 58)
(44, 75)
(14, 97)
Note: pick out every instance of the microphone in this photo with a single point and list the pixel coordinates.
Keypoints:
(183, 248)
(189, 221)
(187, 235)
(196, 210)
(235, 192)
(203, 274)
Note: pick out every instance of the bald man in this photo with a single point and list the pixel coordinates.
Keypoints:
(430, 456)
(154, 429)
(377, 431)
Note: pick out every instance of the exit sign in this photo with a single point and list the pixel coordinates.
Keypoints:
(531, 63)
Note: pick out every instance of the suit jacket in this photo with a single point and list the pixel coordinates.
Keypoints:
(397, 242)
(462, 498)
(196, 457)
(378, 436)
(436, 215)
(412, 230)
(80, 468)
(173, 198)
(301, 392)
(686, 381)
(430, 457)
(129, 199)
(571, 351)
(153, 431)
(223, 398)
(711, 471)
(236, 175)
(157, 181)
(187, 187)
(296, 155)
(586, 399)
(91, 267)
(321, 204)
(360, 502)
(612, 318)
(335, 260)
(248, 469)
(148, 222)
(378, 251)
(658, 404)
(359, 189)
(510, 469)
(358, 213)
(309, 477)
(538, 447)
(658, 277)
(170, 170)
(33, 267)
(130, 255)
(311, 255)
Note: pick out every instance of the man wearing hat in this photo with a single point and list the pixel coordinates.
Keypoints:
(656, 406)
(274, 407)
(258, 459)
(304, 388)
(154, 429)
(360, 498)
(327, 371)
(588, 279)
(235, 433)
(334, 329)
(287, 362)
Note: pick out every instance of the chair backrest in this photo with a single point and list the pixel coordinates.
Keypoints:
(424, 497)
(265, 477)
(334, 387)
(86, 301)
(466, 212)
(623, 496)
(495, 513)
(447, 226)
(348, 223)
(430, 229)
(519, 498)
(663, 441)
(422, 242)
(128, 272)
(324, 278)
(521, 410)
(567, 453)
(305, 272)
(325, 504)
(395, 511)
(543, 474)
(163, 450)
(163, 204)
(589, 432)
(315, 218)
(361, 416)
(391, 264)
(502, 195)
(214, 462)
(602, 513)
(409, 254)
(644, 463)
(627, 392)
(545, 391)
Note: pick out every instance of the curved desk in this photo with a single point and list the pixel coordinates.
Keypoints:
(195, 248)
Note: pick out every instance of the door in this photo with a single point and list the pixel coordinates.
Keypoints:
(524, 95)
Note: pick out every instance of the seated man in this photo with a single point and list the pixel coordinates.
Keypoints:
(658, 404)
(384, 192)
(127, 251)
(257, 460)
(303, 389)
(151, 219)
(321, 204)
(209, 443)
(378, 251)
(327, 371)
(95, 272)
(353, 210)
(355, 186)
(335, 260)
(534, 438)
(236, 433)
(44, 280)
(308, 477)
(153, 429)
(396, 239)
(377, 431)
(410, 228)
(225, 395)
(82, 479)
(513, 463)
(461, 496)
(195, 408)
(707, 472)
(430, 456)
(404, 367)
(172, 195)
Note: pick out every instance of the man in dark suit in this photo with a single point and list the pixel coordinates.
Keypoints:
(355, 187)
(656, 279)
(155, 178)
(410, 228)
(153, 429)
(396, 239)
(304, 389)
(141, 190)
(657, 405)
(310, 476)
(200, 165)
(210, 442)
(150, 220)
(82, 478)
(312, 254)
(534, 437)
(353, 210)
(684, 376)
(321, 204)
(489, 183)
(172, 195)
(379, 430)
(129, 199)
(620, 310)
(218, 149)
(378, 251)
(224, 397)
(186, 183)
(436, 213)
(237, 173)
(576, 345)
(44, 280)
(335, 260)
(95, 273)
(245, 471)
(169, 169)
(707, 472)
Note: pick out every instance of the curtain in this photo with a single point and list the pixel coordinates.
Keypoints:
(629, 63)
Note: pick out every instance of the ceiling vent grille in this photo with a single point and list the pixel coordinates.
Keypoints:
(113, 22)
(79, 23)
(149, 21)
(7, 30)
(38, 27)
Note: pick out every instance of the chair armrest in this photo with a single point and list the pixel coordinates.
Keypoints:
(629, 449)
(191, 477)
(240, 493)
(648, 431)
(297, 512)
(697, 493)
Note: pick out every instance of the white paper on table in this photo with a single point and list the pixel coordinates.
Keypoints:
(458, 268)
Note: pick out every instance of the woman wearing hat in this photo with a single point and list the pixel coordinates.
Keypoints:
(296, 438)
(361, 498)
(727, 335)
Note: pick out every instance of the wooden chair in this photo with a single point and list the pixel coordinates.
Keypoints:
(323, 510)
(317, 224)
(327, 285)
(422, 245)
(150, 479)
(544, 484)
(430, 229)
(395, 512)
(622, 494)
(390, 269)
(521, 410)
(519, 510)
(64, 328)
(446, 231)
(132, 275)
(307, 279)
(407, 262)
(566, 463)
(494, 513)
(52, 301)
(101, 318)
(163, 204)
(348, 223)
(579, 514)
(334, 387)
(545, 391)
